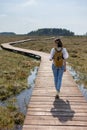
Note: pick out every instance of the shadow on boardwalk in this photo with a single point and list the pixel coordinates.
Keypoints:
(62, 110)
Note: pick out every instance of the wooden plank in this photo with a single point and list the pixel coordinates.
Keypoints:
(57, 104)
(75, 118)
(41, 127)
(60, 122)
(74, 90)
(75, 106)
(52, 99)
(56, 114)
(76, 110)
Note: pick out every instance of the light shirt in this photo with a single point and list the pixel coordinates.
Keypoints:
(64, 51)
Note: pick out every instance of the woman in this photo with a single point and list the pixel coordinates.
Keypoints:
(58, 55)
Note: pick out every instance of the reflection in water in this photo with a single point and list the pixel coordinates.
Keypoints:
(24, 97)
(77, 78)
(62, 110)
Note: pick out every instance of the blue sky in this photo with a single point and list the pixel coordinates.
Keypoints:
(23, 16)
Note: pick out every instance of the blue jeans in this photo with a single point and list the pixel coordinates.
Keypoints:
(58, 74)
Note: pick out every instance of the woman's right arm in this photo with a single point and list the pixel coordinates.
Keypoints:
(51, 54)
(65, 53)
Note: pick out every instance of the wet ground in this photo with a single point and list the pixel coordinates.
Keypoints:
(76, 78)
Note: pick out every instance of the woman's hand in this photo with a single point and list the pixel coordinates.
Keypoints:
(64, 69)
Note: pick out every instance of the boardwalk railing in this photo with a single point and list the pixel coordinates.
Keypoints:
(44, 111)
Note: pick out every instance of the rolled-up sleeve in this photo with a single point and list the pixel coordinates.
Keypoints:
(52, 54)
(65, 53)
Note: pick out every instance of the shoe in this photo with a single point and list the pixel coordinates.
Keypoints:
(57, 96)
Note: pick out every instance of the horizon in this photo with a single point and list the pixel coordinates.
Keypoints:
(37, 30)
(24, 16)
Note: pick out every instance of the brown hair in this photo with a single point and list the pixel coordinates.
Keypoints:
(58, 42)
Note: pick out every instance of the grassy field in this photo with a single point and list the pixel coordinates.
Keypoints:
(4, 39)
(76, 46)
(14, 70)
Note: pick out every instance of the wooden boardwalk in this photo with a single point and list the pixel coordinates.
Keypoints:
(47, 113)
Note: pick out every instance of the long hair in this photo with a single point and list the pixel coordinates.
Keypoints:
(59, 43)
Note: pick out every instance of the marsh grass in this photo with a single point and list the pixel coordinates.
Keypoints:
(14, 70)
(10, 116)
(76, 46)
(5, 39)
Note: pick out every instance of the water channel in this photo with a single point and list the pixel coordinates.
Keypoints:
(76, 77)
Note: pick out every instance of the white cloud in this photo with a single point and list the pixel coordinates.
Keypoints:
(3, 15)
(28, 3)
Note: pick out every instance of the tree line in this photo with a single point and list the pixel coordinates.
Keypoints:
(51, 32)
(44, 32)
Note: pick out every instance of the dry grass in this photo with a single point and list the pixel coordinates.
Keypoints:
(14, 70)
(10, 116)
(4, 39)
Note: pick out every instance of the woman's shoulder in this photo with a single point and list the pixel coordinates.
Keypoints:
(53, 49)
(64, 50)
(65, 53)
